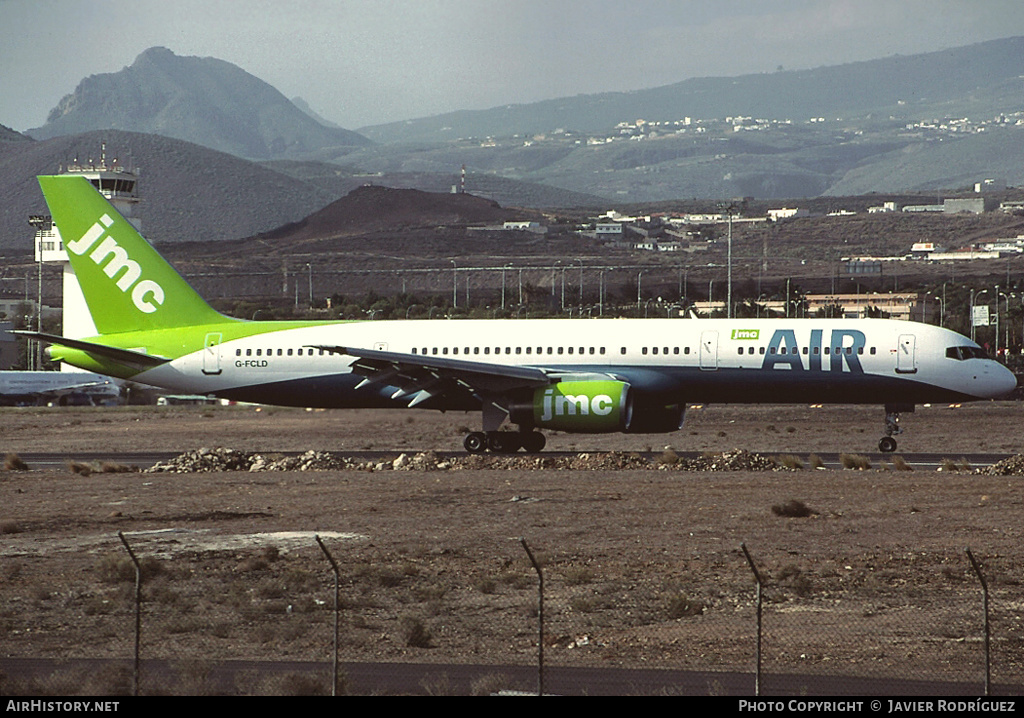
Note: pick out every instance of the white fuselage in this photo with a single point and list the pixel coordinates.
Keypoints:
(722, 360)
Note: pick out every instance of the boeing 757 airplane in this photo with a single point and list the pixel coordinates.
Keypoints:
(571, 375)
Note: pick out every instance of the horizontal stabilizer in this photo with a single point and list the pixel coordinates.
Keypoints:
(121, 356)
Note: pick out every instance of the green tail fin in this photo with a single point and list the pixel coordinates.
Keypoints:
(127, 285)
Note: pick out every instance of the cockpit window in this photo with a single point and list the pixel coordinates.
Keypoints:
(964, 352)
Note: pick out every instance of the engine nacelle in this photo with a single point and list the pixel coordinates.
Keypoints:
(650, 416)
(589, 407)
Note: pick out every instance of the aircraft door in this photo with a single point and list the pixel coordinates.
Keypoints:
(709, 350)
(906, 354)
(211, 353)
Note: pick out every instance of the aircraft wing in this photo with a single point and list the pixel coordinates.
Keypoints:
(58, 391)
(421, 377)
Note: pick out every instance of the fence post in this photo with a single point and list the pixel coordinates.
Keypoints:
(334, 567)
(984, 604)
(138, 611)
(757, 580)
(540, 618)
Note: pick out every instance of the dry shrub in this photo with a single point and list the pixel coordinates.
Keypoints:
(415, 632)
(790, 461)
(855, 461)
(682, 606)
(13, 462)
(793, 509)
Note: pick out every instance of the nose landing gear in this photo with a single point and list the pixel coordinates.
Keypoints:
(887, 444)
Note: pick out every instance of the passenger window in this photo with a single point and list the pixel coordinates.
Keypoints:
(872, 351)
(686, 350)
(644, 351)
(238, 352)
(622, 351)
(290, 351)
(675, 350)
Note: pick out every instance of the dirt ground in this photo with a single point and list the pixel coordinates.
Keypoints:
(643, 567)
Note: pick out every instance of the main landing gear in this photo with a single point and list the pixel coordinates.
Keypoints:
(504, 442)
(887, 444)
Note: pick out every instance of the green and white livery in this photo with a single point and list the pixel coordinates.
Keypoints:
(573, 375)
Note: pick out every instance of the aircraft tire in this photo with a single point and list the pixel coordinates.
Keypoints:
(887, 444)
(502, 442)
(475, 442)
(533, 442)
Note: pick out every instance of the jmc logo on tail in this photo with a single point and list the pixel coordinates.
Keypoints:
(112, 258)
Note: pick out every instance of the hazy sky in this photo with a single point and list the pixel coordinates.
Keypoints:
(363, 62)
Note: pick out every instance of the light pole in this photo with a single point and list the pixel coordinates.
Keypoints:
(455, 283)
(638, 278)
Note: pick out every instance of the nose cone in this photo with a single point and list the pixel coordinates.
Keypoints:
(998, 381)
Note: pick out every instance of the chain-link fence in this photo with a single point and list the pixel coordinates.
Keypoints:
(303, 613)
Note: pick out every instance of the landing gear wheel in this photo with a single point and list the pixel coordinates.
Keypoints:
(475, 442)
(502, 442)
(533, 442)
(887, 444)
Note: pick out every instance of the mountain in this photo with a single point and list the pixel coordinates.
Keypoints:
(373, 208)
(192, 193)
(923, 123)
(187, 192)
(911, 87)
(201, 100)
(9, 135)
(930, 122)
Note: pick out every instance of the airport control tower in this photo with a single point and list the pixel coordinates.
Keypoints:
(119, 184)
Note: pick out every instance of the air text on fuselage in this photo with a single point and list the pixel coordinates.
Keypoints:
(843, 351)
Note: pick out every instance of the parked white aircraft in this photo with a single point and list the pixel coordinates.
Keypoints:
(572, 375)
(57, 387)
